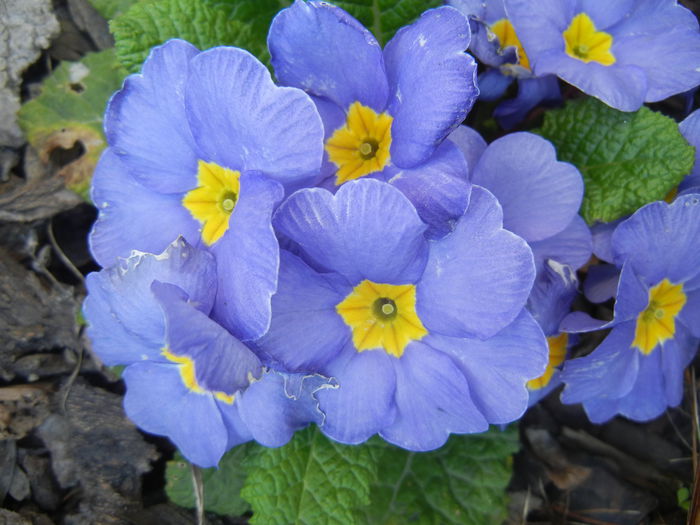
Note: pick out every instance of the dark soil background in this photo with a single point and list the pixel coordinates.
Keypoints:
(68, 455)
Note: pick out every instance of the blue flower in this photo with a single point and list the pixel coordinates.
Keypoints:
(637, 371)
(187, 377)
(496, 44)
(196, 149)
(624, 53)
(385, 112)
(425, 338)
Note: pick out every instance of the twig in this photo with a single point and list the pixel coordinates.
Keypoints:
(198, 492)
(71, 380)
(64, 258)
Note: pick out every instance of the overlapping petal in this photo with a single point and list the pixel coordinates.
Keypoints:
(323, 50)
(367, 230)
(478, 277)
(432, 83)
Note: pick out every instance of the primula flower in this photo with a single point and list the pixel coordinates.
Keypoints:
(637, 371)
(424, 337)
(624, 53)
(187, 377)
(199, 146)
(496, 44)
(385, 112)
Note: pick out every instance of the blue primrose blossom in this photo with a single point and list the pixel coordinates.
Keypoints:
(197, 148)
(385, 112)
(425, 338)
(496, 44)
(624, 53)
(637, 371)
(187, 377)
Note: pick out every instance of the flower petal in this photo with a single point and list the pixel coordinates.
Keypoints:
(367, 230)
(158, 402)
(304, 316)
(131, 216)
(433, 400)
(146, 125)
(478, 277)
(540, 196)
(531, 93)
(323, 50)
(438, 188)
(363, 404)
(432, 83)
(247, 260)
(470, 143)
(570, 246)
(235, 111)
(601, 282)
(498, 368)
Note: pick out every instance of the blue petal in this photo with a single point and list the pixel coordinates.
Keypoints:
(478, 277)
(493, 84)
(570, 246)
(124, 304)
(438, 188)
(367, 230)
(531, 93)
(605, 14)
(647, 400)
(323, 50)
(540, 196)
(609, 372)
(279, 404)
(433, 400)
(601, 282)
(133, 217)
(146, 125)
(498, 368)
(690, 129)
(551, 297)
(247, 260)
(304, 317)
(540, 24)
(222, 363)
(158, 402)
(363, 405)
(432, 83)
(661, 241)
(690, 314)
(470, 143)
(236, 113)
(602, 239)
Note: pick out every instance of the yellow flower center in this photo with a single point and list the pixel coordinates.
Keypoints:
(382, 316)
(189, 378)
(505, 32)
(361, 146)
(213, 201)
(586, 44)
(557, 352)
(657, 323)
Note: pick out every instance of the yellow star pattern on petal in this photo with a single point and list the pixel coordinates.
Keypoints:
(585, 43)
(657, 323)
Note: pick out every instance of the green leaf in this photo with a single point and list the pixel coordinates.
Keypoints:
(311, 480)
(626, 159)
(66, 118)
(462, 482)
(221, 486)
(384, 17)
(204, 24)
(111, 8)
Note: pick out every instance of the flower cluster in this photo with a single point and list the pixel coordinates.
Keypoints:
(335, 248)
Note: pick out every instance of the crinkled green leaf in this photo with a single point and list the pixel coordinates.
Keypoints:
(67, 115)
(626, 159)
(221, 486)
(462, 482)
(311, 480)
(384, 17)
(203, 23)
(111, 8)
